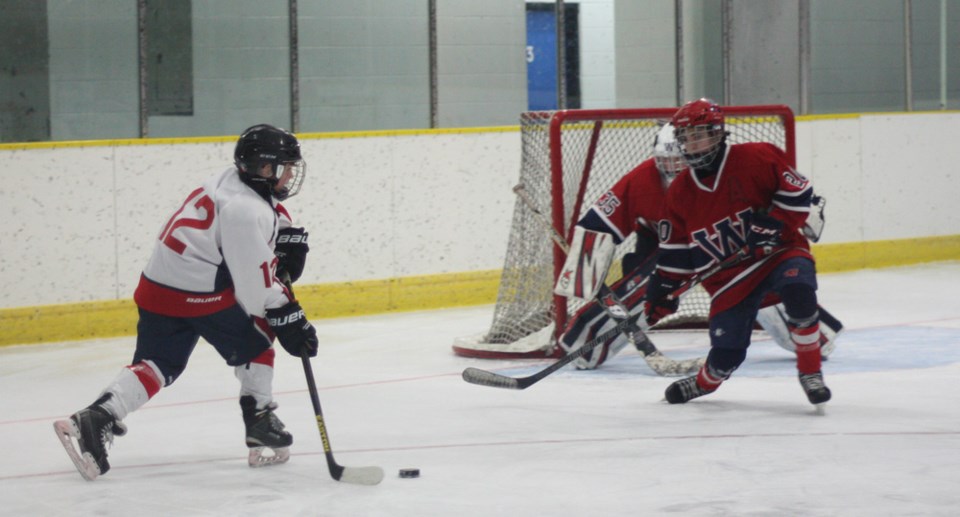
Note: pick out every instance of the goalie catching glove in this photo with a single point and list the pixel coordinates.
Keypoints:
(293, 331)
(587, 263)
(291, 250)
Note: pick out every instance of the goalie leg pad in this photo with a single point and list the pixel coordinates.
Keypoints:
(591, 321)
(590, 256)
(773, 319)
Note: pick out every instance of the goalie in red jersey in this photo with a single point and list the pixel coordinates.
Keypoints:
(633, 205)
(737, 199)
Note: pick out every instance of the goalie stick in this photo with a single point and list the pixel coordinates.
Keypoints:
(355, 475)
(659, 363)
(488, 378)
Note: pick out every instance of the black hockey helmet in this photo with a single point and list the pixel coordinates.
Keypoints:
(265, 145)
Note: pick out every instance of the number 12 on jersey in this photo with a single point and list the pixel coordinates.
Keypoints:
(202, 203)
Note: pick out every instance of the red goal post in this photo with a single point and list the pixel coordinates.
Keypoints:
(569, 159)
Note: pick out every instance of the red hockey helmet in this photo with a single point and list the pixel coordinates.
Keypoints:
(700, 131)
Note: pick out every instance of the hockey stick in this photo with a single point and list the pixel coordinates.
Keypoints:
(355, 475)
(613, 306)
(488, 378)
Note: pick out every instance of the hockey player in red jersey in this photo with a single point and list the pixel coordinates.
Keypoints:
(741, 198)
(213, 274)
(633, 205)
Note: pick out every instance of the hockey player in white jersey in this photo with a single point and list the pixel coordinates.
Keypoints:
(213, 274)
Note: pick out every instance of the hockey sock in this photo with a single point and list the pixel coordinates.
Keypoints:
(132, 388)
(256, 378)
(708, 379)
(800, 302)
(721, 362)
(807, 341)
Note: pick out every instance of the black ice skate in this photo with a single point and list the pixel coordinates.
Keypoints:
(817, 392)
(685, 390)
(264, 431)
(92, 428)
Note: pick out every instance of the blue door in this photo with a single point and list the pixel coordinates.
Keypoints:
(541, 59)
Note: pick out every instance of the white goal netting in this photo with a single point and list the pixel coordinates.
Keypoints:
(570, 158)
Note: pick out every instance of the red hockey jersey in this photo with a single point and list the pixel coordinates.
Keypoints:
(707, 220)
(633, 204)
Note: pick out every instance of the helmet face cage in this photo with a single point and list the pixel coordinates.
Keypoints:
(667, 155)
(265, 145)
(297, 171)
(699, 131)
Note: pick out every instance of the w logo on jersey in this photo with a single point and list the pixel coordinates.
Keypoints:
(730, 236)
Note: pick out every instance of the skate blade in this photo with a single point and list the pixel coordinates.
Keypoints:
(257, 458)
(67, 432)
(820, 409)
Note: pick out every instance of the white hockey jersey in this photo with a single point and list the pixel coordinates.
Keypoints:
(216, 250)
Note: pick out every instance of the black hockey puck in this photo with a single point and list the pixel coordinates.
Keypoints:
(409, 473)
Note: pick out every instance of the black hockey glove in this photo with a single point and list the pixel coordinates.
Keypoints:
(763, 235)
(293, 330)
(292, 251)
(656, 304)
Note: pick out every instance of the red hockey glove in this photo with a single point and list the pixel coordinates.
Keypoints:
(656, 304)
(293, 330)
(763, 235)
(291, 250)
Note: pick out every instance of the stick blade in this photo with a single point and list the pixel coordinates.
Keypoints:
(664, 366)
(494, 380)
(362, 475)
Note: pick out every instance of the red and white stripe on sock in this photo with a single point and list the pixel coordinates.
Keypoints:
(708, 380)
(133, 387)
(807, 341)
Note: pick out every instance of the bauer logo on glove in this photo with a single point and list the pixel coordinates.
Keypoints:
(291, 250)
(285, 319)
(292, 329)
(287, 238)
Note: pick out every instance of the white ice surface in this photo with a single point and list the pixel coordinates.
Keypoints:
(577, 443)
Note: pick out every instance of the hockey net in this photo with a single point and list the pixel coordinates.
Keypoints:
(569, 159)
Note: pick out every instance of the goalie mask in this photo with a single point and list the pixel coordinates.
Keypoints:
(269, 161)
(667, 156)
(700, 131)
